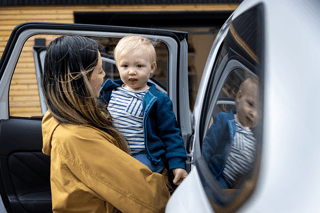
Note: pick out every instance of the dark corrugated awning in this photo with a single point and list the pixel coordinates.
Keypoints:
(82, 2)
(154, 19)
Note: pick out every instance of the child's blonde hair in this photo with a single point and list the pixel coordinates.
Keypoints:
(130, 43)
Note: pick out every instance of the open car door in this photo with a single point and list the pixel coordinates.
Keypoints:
(25, 170)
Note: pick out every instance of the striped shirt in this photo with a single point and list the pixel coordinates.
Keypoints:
(241, 155)
(125, 107)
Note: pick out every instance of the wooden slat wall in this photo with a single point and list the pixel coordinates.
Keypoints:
(23, 95)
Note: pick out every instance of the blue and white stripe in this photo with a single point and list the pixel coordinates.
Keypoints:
(125, 107)
(241, 155)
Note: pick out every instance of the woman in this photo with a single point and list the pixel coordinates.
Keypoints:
(91, 170)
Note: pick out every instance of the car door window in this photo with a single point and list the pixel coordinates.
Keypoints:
(108, 64)
(229, 164)
(227, 95)
(24, 99)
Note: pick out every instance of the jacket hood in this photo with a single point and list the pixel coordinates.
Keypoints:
(49, 124)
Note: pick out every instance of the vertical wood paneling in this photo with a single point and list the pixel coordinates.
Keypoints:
(23, 95)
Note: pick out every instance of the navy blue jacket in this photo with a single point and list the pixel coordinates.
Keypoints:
(217, 143)
(162, 134)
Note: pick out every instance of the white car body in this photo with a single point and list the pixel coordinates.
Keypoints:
(288, 178)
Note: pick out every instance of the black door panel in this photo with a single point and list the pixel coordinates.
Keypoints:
(25, 169)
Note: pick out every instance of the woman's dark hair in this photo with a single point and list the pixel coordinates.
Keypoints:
(68, 66)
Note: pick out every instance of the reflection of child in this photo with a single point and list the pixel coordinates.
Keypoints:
(140, 112)
(229, 146)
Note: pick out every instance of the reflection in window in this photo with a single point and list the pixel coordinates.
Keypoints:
(232, 144)
(229, 146)
(226, 99)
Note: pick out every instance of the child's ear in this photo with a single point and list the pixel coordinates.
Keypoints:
(239, 94)
(153, 68)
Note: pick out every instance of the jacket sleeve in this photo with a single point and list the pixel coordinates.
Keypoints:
(111, 173)
(215, 145)
(170, 134)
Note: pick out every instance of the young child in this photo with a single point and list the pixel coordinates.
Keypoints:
(141, 113)
(229, 147)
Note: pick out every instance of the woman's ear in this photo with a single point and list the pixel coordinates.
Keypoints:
(153, 68)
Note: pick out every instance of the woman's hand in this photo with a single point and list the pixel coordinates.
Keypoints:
(179, 175)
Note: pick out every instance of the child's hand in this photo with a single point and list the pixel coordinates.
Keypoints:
(179, 175)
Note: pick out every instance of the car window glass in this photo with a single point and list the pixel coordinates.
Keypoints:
(227, 95)
(24, 100)
(231, 118)
(24, 96)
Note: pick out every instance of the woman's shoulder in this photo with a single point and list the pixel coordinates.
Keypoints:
(74, 135)
(71, 136)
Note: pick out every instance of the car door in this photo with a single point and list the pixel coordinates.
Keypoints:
(235, 56)
(25, 170)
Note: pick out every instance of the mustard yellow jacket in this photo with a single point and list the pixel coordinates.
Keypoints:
(90, 174)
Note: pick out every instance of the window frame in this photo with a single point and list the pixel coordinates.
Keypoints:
(173, 41)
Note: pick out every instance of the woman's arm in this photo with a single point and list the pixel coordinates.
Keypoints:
(113, 174)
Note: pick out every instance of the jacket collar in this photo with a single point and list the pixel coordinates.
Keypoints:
(231, 114)
(110, 85)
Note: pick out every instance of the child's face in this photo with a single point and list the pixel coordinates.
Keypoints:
(135, 69)
(247, 110)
